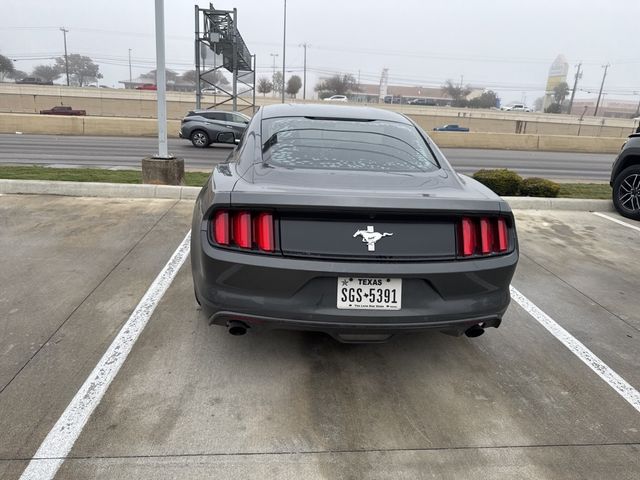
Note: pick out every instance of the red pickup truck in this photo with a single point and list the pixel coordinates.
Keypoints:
(60, 110)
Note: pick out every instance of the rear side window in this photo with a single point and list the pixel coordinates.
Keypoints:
(343, 144)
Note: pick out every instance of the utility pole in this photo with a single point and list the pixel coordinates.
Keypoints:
(273, 76)
(284, 47)
(606, 67)
(304, 70)
(66, 56)
(575, 87)
(130, 76)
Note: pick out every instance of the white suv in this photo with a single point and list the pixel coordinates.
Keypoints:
(336, 98)
(516, 107)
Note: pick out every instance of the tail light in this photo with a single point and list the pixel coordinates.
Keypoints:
(483, 236)
(243, 229)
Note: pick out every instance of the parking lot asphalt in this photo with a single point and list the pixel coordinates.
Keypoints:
(193, 402)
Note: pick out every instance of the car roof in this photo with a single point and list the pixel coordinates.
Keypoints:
(331, 111)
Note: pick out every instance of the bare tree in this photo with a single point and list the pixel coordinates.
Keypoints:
(457, 92)
(337, 85)
(264, 86)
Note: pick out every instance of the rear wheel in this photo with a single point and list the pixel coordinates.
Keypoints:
(626, 192)
(200, 139)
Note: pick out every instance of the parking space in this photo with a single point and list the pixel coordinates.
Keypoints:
(193, 402)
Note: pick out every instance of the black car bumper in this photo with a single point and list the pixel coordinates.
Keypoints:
(291, 293)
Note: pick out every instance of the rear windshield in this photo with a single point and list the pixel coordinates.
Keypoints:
(338, 144)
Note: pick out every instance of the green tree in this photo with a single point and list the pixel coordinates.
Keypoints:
(189, 76)
(488, 99)
(170, 75)
(18, 75)
(553, 108)
(6, 67)
(48, 73)
(337, 85)
(264, 86)
(457, 93)
(82, 70)
(560, 92)
(216, 77)
(294, 84)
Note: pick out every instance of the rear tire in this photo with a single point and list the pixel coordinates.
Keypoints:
(626, 192)
(200, 139)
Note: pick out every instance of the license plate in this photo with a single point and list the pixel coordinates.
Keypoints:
(369, 293)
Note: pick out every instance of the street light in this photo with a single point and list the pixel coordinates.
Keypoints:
(273, 75)
(66, 57)
(284, 47)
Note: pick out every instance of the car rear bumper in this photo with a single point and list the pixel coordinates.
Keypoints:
(292, 293)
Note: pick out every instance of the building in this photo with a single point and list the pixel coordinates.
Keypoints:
(435, 96)
(608, 108)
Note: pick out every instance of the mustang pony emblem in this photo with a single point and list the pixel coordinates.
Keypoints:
(370, 237)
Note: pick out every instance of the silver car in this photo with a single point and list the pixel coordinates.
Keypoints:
(203, 127)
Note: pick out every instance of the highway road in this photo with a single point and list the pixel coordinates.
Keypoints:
(126, 152)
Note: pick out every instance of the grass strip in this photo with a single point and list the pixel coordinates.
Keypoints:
(197, 179)
(192, 179)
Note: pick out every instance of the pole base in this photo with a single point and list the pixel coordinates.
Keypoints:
(163, 171)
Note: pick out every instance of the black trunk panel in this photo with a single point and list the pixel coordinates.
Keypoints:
(413, 237)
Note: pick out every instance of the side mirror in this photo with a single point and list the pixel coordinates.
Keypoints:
(226, 137)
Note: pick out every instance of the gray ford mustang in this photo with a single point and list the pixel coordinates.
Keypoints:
(349, 221)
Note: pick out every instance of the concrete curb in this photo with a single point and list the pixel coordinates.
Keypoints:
(95, 189)
(125, 190)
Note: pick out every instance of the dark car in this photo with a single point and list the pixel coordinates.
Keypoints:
(34, 81)
(202, 127)
(450, 128)
(625, 179)
(349, 221)
(63, 110)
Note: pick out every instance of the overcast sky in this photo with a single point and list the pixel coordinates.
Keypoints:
(506, 45)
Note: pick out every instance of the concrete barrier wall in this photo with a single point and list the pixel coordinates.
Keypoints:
(142, 104)
(135, 127)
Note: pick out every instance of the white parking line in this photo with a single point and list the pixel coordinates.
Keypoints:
(614, 380)
(617, 221)
(59, 441)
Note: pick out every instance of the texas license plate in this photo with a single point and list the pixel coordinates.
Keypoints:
(369, 293)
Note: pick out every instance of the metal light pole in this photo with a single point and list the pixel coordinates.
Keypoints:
(162, 168)
(66, 56)
(161, 82)
(273, 75)
(606, 67)
(304, 72)
(284, 47)
(130, 76)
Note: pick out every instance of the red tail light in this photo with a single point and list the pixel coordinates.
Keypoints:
(243, 229)
(221, 227)
(468, 234)
(486, 236)
(483, 236)
(503, 236)
(264, 232)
